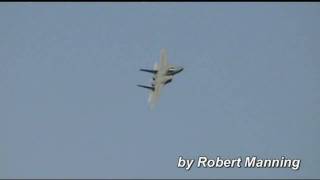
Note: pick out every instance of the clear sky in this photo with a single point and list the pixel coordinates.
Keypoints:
(70, 107)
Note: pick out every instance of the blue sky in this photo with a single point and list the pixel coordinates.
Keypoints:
(70, 107)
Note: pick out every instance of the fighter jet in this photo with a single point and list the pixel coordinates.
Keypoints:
(162, 75)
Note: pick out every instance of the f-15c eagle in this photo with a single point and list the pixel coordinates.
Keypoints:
(162, 75)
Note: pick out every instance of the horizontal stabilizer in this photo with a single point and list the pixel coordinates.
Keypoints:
(149, 70)
(147, 87)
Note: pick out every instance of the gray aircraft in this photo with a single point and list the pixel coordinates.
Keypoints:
(162, 75)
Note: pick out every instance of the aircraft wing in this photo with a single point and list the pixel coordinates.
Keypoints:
(154, 95)
(159, 78)
(163, 62)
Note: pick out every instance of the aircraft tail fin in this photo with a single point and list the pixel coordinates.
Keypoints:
(147, 87)
(149, 70)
